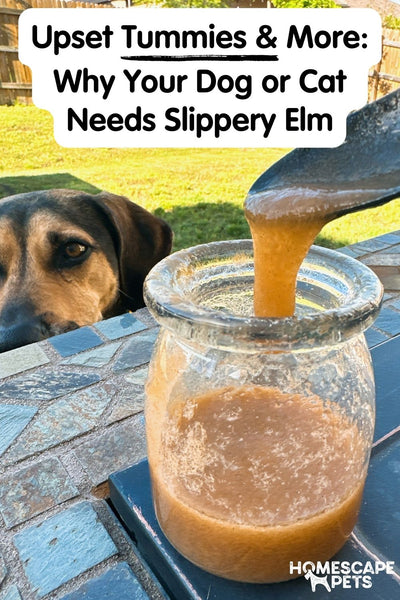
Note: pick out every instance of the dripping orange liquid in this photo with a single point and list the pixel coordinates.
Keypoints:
(280, 246)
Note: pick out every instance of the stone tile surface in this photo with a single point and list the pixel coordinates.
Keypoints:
(63, 420)
(33, 490)
(130, 402)
(11, 593)
(395, 303)
(46, 384)
(392, 282)
(372, 245)
(144, 315)
(389, 276)
(75, 341)
(63, 547)
(349, 251)
(118, 583)
(388, 296)
(137, 352)
(22, 359)
(13, 419)
(382, 260)
(114, 449)
(99, 357)
(374, 337)
(138, 377)
(394, 249)
(390, 238)
(120, 326)
(388, 321)
(3, 570)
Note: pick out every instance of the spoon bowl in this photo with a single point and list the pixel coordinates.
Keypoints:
(361, 173)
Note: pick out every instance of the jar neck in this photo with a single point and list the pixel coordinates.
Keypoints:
(204, 294)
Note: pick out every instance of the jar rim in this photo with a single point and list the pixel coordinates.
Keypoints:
(170, 303)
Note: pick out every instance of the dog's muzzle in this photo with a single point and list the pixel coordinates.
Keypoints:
(20, 326)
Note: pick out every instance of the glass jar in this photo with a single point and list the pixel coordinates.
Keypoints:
(258, 430)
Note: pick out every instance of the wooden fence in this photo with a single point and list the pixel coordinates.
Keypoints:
(16, 78)
(385, 76)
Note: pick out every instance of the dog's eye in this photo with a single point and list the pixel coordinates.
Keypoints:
(74, 250)
(70, 254)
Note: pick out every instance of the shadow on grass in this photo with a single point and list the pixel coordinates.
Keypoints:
(208, 222)
(205, 222)
(32, 183)
(323, 240)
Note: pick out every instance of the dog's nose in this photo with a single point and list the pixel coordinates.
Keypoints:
(19, 326)
(22, 333)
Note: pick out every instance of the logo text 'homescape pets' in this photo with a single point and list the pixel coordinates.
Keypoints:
(158, 77)
(341, 574)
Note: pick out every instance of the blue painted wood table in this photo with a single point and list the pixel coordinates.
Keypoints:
(374, 544)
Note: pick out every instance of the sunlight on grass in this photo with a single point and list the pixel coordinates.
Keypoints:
(199, 191)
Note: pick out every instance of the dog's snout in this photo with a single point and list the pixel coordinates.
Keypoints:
(15, 311)
(24, 332)
(20, 326)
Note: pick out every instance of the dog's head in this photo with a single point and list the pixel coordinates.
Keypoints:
(69, 259)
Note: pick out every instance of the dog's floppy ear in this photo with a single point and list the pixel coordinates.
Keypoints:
(141, 240)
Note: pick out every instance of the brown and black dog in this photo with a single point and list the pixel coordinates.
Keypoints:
(69, 259)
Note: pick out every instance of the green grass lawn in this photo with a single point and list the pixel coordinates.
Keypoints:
(200, 192)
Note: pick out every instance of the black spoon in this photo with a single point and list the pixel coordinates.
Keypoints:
(363, 172)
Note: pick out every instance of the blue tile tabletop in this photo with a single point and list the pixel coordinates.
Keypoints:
(62, 547)
(137, 352)
(22, 359)
(61, 421)
(10, 593)
(75, 341)
(375, 337)
(13, 419)
(33, 490)
(375, 539)
(120, 326)
(97, 357)
(3, 570)
(118, 583)
(46, 384)
(388, 321)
